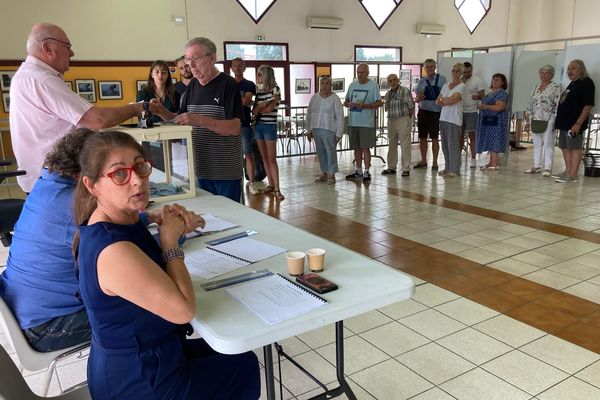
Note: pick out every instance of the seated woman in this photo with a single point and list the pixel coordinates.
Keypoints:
(160, 87)
(39, 284)
(138, 293)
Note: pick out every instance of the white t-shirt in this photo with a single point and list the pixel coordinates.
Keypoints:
(453, 113)
(472, 86)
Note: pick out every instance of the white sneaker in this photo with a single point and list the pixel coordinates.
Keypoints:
(252, 188)
(546, 173)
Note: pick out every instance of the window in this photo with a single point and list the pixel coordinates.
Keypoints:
(380, 10)
(467, 53)
(379, 54)
(256, 9)
(256, 51)
(472, 11)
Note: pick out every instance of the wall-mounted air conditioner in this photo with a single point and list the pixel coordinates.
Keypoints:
(324, 22)
(430, 29)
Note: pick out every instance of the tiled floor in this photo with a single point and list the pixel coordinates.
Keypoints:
(508, 271)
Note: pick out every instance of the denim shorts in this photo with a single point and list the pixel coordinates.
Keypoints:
(247, 136)
(265, 132)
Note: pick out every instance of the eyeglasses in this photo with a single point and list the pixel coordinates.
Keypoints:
(195, 59)
(122, 176)
(69, 45)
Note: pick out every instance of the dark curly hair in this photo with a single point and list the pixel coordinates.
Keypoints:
(63, 159)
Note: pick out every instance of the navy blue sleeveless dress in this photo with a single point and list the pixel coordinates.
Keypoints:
(136, 354)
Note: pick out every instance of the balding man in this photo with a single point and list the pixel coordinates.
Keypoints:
(43, 109)
(362, 99)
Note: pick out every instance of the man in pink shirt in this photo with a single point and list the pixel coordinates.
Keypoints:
(43, 109)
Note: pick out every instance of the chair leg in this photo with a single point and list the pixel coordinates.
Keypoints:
(48, 378)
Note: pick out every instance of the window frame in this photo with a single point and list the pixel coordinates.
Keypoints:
(357, 46)
(457, 8)
(256, 21)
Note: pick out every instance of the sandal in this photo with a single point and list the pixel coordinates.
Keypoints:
(321, 178)
(331, 181)
(421, 165)
(269, 189)
(388, 171)
(278, 195)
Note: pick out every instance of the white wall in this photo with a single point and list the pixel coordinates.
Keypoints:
(143, 29)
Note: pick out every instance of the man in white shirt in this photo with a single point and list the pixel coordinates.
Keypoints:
(474, 91)
(43, 109)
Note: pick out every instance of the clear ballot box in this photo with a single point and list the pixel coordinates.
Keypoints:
(170, 149)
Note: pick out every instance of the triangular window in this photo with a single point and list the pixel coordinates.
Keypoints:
(380, 10)
(472, 11)
(256, 9)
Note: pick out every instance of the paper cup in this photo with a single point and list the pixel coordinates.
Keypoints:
(316, 259)
(295, 261)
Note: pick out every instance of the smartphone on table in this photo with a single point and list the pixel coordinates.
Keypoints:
(316, 283)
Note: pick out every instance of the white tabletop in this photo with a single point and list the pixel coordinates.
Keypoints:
(230, 328)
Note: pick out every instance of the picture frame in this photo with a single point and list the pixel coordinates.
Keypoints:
(415, 80)
(89, 97)
(110, 90)
(372, 78)
(140, 85)
(69, 84)
(5, 79)
(383, 84)
(6, 102)
(405, 75)
(303, 85)
(338, 84)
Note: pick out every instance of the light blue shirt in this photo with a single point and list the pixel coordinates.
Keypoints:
(423, 87)
(366, 93)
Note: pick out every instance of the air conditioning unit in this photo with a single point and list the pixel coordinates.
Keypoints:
(324, 22)
(430, 29)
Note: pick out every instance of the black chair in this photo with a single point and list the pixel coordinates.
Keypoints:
(10, 209)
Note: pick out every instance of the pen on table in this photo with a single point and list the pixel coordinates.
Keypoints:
(229, 238)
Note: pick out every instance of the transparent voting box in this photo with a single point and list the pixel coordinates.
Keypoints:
(170, 149)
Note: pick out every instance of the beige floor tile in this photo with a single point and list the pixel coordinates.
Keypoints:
(432, 295)
(514, 267)
(466, 311)
(575, 270)
(403, 309)
(72, 373)
(481, 385)
(297, 382)
(582, 245)
(451, 246)
(525, 242)
(263, 391)
(585, 290)
(36, 383)
(590, 259)
(322, 336)
(474, 240)
(561, 251)
(433, 394)
(391, 380)
(525, 372)
(358, 354)
(435, 363)
(432, 324)
(366, 321)
(571, 389)
(359, 392)
(545, 236)
(509, 331)
(591, 374)
(394, 338)
(504, 249)
(537, 259)
(561, 354)
(481, 256)
(292, 346)
(551, 279)
(474, 346)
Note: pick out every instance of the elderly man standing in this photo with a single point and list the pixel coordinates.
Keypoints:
(213, 106)
(428, 117)
(362, 99)
(43, 109)
(400, 109)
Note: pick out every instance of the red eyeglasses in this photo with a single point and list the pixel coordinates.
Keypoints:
(122, 176)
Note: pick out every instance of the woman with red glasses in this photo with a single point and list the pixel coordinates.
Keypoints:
(138, 293)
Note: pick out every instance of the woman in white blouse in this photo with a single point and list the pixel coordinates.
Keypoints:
(325, 122)
(542, 112)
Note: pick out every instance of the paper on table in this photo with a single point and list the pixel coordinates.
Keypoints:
(248, 249)
(207, 264)
(275, 299)
(215, 224)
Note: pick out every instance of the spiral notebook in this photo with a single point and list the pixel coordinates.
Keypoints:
(275, 298)
(247, 249)
(208, 263)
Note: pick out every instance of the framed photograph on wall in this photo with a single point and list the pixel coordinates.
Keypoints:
(338, 85)
(90, 97)
(69, 84)
(5, 78)
(6, 102)
(405, 75)
(110, 90)
(302, 85)
(383, 84)
(415, 80)
(140, 85)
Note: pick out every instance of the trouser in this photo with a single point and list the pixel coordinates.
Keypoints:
(450, 145)
(325, 142)
(60, 332)
(399, 131)
(543, 146)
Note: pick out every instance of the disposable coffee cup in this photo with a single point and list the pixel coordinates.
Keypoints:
(295, 261)
(316, 259)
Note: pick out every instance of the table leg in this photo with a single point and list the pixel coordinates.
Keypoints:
(339, 360)
(269, 375)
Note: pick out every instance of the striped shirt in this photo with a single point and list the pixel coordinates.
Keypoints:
(268, 117)
(216, 156)
(399, 103)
